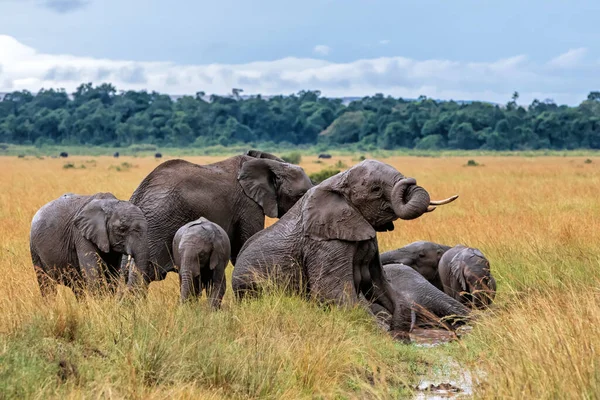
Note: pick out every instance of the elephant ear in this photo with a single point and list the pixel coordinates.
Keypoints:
(258, 182)
(457, 267)
(327, 215)
(91, 222)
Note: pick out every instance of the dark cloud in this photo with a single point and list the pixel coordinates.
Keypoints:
(135, 74)
(65, 6)
(63, 74)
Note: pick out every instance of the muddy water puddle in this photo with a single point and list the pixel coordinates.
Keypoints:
(450, 382)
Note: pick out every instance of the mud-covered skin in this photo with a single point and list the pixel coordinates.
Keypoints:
(424, 257)
(78, 239)
(201, 250)
(466, 276)
(432, 306)
(235, 193)
(326, 245)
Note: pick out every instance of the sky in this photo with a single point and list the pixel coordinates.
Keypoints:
(443, 49)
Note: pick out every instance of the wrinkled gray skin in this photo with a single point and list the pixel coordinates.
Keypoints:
(429, 304)
(71, 234)
(422, 256)
(201, 250)
(326, 245)
(466, 276)
(235, 193)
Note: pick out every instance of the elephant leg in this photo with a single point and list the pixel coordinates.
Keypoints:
(46, 283)
(217, 288)
(330, 273)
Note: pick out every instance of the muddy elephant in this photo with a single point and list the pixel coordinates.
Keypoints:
(430, 306)
(422, 256)
(235, 193)
(79, 241)
(201, 250)
(326, 245)
(465, 275)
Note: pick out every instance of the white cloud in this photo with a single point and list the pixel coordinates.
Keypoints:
(25, 68)
(384, 42)
(570, 59)
(322, 49)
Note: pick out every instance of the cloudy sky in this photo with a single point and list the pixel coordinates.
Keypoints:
(446, 49)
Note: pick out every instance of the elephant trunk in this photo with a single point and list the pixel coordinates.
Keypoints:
(138, 274)
(186, 283)
(410, 201)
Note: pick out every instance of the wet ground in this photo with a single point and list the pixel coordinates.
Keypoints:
(453, 382)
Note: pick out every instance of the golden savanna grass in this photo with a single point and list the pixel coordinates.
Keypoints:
(537, 219)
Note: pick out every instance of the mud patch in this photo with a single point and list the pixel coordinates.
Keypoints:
(452, 382)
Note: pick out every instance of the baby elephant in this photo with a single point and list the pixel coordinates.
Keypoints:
(79, 240)
(201, 249)
(429, 305)
(465, 275)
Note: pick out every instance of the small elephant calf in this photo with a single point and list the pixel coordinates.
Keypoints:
(201, 249)
(465, 275)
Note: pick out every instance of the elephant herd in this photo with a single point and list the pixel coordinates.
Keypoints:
(194, 219)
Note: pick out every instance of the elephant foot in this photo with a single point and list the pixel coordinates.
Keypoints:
(401, 336)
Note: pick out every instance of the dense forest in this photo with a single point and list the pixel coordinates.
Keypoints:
(100, 115)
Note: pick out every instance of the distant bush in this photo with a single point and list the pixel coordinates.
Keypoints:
(472, 163)
(3, 146)
(125, 166)
(340, 164)
(73, 166)
(588, 161)
(292, 158)
(323, 174)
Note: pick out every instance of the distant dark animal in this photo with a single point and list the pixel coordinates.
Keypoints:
(81, 239)
(64, 154)
(465, 275)
(116, 155)
(201, 250)
(158, 155)
(21, 156)
(324, 155)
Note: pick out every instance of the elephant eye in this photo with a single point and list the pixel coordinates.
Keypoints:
(376, 189)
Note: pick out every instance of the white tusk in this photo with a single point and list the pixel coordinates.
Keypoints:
(442, 202)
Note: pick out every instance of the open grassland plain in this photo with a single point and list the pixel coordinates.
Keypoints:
(536, 219)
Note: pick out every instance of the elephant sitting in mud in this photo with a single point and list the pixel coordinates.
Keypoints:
(423, 257)
(235, 194)
(201, 250)
(76, 239)
(326, 245)
(430, 306)
(465, 275)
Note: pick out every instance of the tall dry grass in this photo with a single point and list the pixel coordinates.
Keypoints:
(537, 220)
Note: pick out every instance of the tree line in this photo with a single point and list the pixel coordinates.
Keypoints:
(100, 115)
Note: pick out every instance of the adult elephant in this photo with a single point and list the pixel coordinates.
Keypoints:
(466, 276)
(76, 239)
(430, 305)
(235, 194)
(326, 245)
(422, 256)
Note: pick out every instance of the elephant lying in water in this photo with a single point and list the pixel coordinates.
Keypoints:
(430, 305)
(326, 245)
(465, 275)
(235, 193)
(423, 257)
(72, 236)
